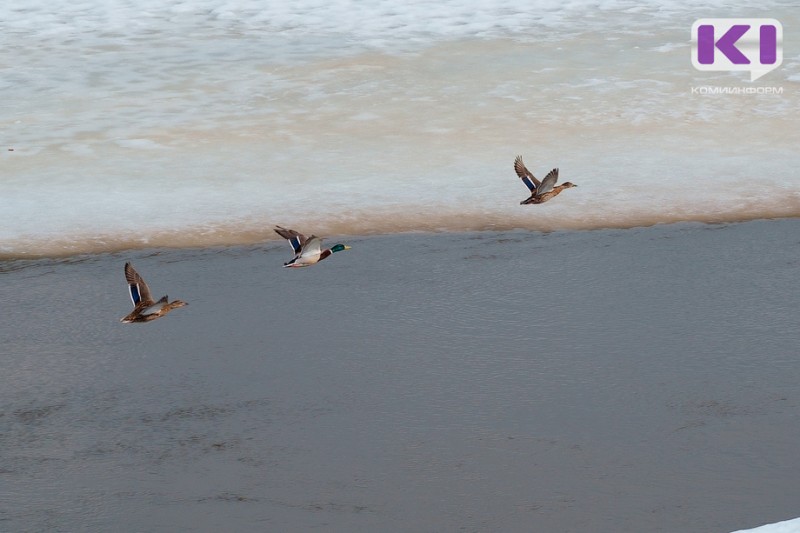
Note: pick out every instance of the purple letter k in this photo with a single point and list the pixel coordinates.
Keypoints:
(726, 44)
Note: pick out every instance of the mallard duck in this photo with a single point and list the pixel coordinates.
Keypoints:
(540, 191)
(144, 307)
(307, 250)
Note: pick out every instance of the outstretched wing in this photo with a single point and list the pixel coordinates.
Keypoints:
(525, 175)
(140, 292)
(312, 247)
(296, 239)
(548, 182)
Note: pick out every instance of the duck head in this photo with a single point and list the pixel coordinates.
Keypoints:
(339, 247)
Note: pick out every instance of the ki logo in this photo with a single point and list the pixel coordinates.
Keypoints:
(753, 45)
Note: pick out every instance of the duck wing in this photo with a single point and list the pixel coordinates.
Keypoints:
(525, 174)
(312, 247)
(296, 239)
(140, 292)
(548, 182)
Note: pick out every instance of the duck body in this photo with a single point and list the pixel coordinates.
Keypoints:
(145, 308)
(307, 250)
(542, 198)
(146, 313)
(307, 260)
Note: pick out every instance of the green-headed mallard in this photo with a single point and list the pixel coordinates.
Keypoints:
(307, 250)
(144, 307)
(540, 191)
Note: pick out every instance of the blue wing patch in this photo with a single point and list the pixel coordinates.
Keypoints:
(295, 242)
(135, 295)
(529, 183)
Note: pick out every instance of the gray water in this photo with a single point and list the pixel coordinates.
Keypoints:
(609, 380)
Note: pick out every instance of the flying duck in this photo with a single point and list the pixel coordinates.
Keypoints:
(307, 250)
(145, 308)
(540, 191)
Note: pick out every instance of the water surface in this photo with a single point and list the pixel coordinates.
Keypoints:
(608, 380)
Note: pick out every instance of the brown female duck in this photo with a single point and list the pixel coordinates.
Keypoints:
(540, 191)
(145, 308)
